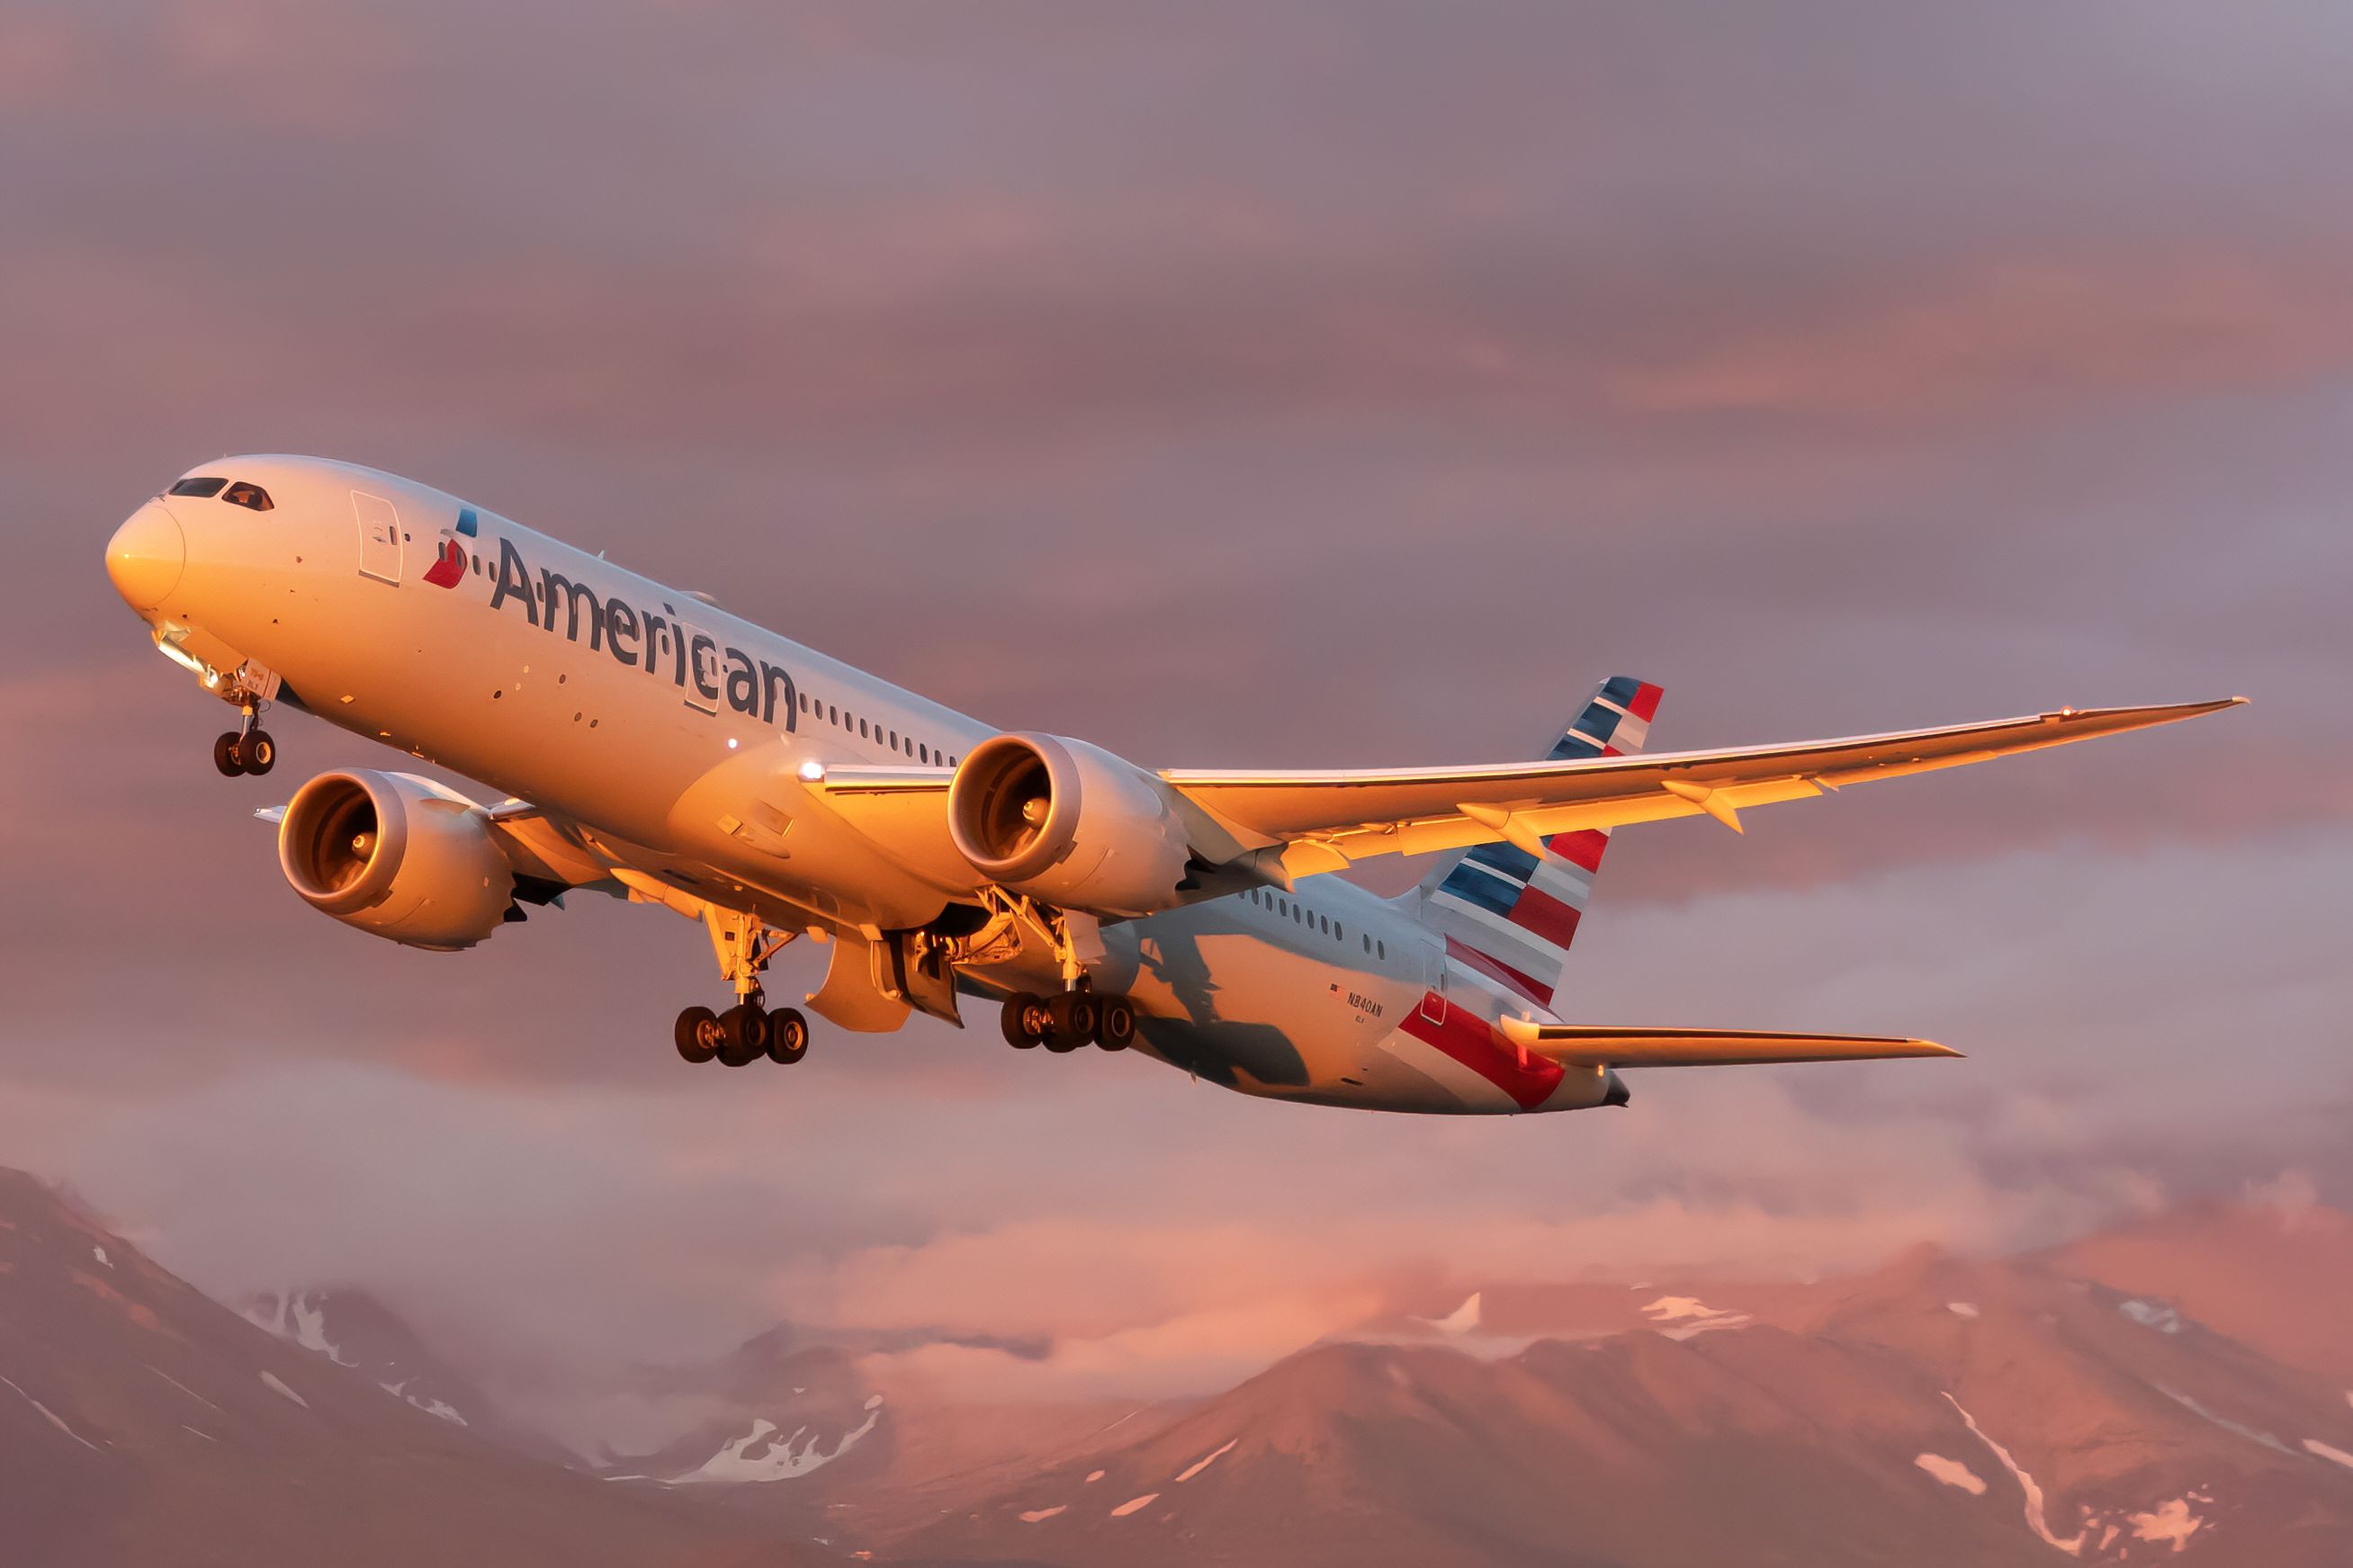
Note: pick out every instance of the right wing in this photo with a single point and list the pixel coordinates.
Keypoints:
(1326, 819)
(1602, 1046)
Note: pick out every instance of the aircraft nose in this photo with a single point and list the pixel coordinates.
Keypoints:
(145, 556)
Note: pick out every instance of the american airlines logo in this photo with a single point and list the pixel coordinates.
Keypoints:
(660, 644)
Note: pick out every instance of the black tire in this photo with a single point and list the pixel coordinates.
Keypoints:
(1115, 1025)
(698, 1035)
(224, 756)
(1073, 1016)
(787, 1036)
(257, 753)
(743, 1035)
(1016, 1021)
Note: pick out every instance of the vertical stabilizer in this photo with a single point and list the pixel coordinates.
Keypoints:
(1510, 915)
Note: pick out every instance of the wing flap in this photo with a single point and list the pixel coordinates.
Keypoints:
(1605, 1045)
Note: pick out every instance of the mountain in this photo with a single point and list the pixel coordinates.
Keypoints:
(352, 1329)
(2276, 1278)
(1939, 1410)
(142, 1421)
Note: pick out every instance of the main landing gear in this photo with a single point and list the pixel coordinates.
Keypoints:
(747, 1031)
(248, 749)
(1064, 1023)
(743, 1034)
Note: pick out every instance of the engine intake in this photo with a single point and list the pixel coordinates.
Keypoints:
(395, 854)
(1070, 822)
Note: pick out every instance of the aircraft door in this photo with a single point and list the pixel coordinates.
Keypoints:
(1433, 997)
(379, 527)
(706, 678)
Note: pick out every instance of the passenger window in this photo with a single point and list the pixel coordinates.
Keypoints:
(252, 496)
(1368, 945)
(833, 715)
(1381, 949)
(861, 730)
(923, 753)
(205, 486)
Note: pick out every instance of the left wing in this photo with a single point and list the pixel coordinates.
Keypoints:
(1326, 820)
(1601, 1045)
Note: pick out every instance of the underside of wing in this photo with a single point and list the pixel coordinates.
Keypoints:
(1327, 819)
(1605, 1045)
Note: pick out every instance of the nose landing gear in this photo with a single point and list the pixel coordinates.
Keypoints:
(248, 749)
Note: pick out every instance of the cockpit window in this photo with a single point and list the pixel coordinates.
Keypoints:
(206, 487)
(243, 494)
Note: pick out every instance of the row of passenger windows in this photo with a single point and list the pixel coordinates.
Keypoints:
(238, 494)
(1297, 912)
(905, 745)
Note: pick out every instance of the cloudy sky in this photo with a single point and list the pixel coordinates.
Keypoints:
(1289, 383)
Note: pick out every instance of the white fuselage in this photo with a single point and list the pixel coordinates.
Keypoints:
(639, 713)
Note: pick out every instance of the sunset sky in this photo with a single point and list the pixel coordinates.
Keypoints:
(1252, 384)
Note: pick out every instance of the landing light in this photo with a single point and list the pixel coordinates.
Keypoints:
(730, 742)
(812, 772)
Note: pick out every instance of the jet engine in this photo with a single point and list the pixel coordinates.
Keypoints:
(398, 855)
(1068, 823)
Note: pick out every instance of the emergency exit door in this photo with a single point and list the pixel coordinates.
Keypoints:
(379, 527)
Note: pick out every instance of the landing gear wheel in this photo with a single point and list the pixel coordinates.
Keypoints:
(225, 755)
(257, 753)
(698, 1034)
(1073, 1017)
(1023, 1021)
(787, 1036)
(1115, 1025)
(743, 1035)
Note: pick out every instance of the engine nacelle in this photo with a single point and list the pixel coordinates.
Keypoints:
(395, 854)
(1068, 823)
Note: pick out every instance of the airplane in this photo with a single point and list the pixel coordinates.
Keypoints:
(650, 744)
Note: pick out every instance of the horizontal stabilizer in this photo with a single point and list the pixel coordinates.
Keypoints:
(1606, 1045)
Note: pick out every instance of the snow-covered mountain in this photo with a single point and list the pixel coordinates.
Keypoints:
(1938, 1411)
(140, 1422)
(2171, 1393)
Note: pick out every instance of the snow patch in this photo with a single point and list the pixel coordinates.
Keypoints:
(2171, 1520)
(1690, 1316)
(99, 1252)
(2315, 1445)
(1093, 1475)
(430, 1405)
(269, 1381)
(1197, 1466)
(206, 1435)
(52, 1416)
(1952, 1472)
(1962, 1309)
(2224, 1422)
(2074, 1545)
(1131, 1504)
(2153, 1315)
(293, 1317)
(780, 1459)
(183, 1387)
(1039, 1515)
(1463, 1319)
(875, 1403)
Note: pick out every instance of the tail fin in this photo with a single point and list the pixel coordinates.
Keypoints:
(1510, 916)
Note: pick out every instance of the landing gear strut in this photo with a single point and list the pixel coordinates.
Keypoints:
(747, 1031)
(248, 749)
